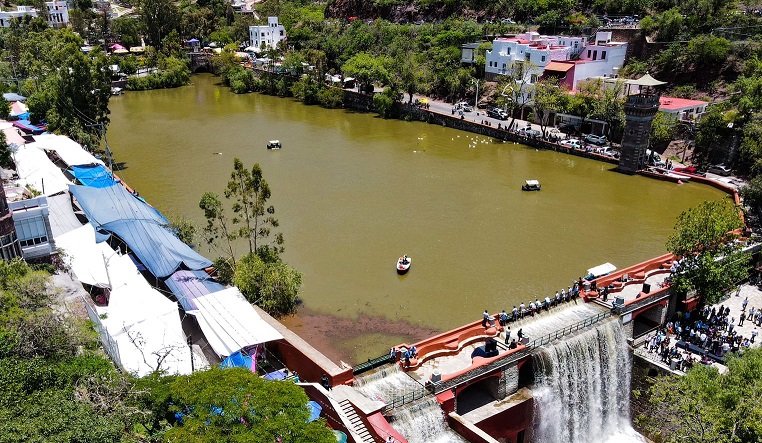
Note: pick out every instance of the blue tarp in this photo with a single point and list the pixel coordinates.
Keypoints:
(27, 126)
(23, 116)
(140, 226)
(315, 411)
(236, 360)
(96, 176)
(189, 285)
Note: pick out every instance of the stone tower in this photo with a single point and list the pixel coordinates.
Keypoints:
(640, 108)
(9, 243)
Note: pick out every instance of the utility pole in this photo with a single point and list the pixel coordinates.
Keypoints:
(190, 347)
(102, 130)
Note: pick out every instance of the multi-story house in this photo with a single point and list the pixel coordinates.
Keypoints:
(267, 35)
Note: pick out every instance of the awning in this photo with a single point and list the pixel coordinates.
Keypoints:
(140, 226)
(558, 66)
(96, 176)
(13, 97)
(35, 169)
(71, 152)
(230, 323)
(85, 257)
(27, 126)
(186, 286)
(604, 269)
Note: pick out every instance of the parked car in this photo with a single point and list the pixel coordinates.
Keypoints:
(690, 170)
(720, 170)
(529, 132)
(463, 106)
(573, 143)
(599, 140)
(507, 21)
(568, 128)
(497, 113)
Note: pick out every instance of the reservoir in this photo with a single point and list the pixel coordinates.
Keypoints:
(353, 192)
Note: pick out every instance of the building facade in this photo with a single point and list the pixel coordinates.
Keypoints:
(30, 218)
(58, 14)
(682, 108)
(267, 36)
(9, 243)
(539, 50)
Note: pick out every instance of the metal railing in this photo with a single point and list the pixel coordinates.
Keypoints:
(371, 364)
(109, 345)
(508, 360)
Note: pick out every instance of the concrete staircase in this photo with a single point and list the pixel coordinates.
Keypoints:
(357, 425)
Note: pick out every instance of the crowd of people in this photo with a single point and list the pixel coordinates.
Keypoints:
(710, 332)
(571, 293)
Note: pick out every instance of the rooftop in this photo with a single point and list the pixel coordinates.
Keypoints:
(676, 104)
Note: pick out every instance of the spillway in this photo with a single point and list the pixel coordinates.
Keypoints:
(582, 389)
(385, 384)
(424, 422)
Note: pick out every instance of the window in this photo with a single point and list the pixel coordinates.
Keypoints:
(588, 53)
(595, 55)
(281, 33)
(603, 55)
(504, 66)
(543, 58)
(508, 51)
(527, 56)
(263, 34)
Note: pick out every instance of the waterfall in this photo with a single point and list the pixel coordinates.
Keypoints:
(424, 422)
(385, 384)
(582, 389)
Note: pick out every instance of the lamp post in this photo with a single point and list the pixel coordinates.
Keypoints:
(476, 99)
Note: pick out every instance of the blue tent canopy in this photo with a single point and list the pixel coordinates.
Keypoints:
(96, 176)
(140, 226)
(189, 285)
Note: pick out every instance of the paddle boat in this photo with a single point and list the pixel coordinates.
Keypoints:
(403, 264)
(531, 185)
(274, 144)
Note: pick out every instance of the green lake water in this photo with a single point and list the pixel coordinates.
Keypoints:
(353, 192)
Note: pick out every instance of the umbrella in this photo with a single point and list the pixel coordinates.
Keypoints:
(423, 100)
(116, 46)
(121, 51)
(193, 41)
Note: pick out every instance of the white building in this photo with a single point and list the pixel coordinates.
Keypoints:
(267, 35)
(682, 108)
(58, 14)
(30, 217)
(537, 49)
(552, 55)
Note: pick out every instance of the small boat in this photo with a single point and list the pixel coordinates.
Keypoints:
(274, 144)
(403, 264)
(531, 185)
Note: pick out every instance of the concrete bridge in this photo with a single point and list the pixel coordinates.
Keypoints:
(200, 61)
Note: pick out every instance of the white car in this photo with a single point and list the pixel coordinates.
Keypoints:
(720, 170)
(573, 143)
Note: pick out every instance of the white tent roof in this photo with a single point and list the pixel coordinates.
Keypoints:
(70, 151)
(36, 169)
(85, 257)
(606, 268)
(230, 323)
(144, 323)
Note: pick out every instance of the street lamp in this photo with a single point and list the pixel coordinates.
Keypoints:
(476, 99)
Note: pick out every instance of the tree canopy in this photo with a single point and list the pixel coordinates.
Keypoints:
(705, 237)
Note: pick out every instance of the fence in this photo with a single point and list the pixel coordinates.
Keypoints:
(111, 347)
(510, 359)
(370, 364)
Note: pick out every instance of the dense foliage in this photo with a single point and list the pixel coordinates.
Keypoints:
(58, 386)
(705, 407)
(705, 237)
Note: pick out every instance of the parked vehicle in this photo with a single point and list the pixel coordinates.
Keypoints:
(497, 113)
(507, 21)
(691, 170)
(720, 170)
(574, 143)
(599, 140)
(529, 132)
(568, 128)
(463, 106)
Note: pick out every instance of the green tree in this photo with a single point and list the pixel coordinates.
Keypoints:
(218, 230)
(705, 237)
(384, 102)
(159, 18)
(713, 137)
(236, 405)
(706, 407)
(254, 218)
(366, 69)
(270, 284)
(548, 97)
(662, 130)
